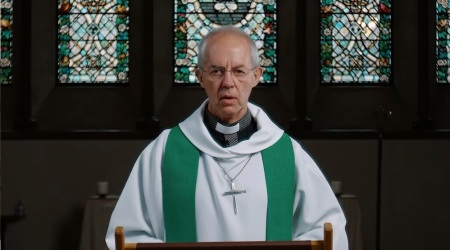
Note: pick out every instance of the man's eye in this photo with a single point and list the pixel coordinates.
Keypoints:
(215, 72)
(238, 72)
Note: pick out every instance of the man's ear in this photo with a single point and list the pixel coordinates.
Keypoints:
(199, 76)
(257, 73)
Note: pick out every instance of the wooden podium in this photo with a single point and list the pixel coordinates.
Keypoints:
(325, 244)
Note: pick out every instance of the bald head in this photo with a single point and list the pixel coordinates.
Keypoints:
(228, 30)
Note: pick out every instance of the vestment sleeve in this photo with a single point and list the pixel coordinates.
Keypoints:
(139, 208)
(315, 203)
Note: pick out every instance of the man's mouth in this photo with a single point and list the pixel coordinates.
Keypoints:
(227, 97)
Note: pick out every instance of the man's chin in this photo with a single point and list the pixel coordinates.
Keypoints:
(230, 114)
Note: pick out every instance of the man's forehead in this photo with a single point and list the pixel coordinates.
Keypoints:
(215, 66)
(225, 53)
(220, 63)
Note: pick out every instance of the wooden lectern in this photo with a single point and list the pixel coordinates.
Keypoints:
(325, 244)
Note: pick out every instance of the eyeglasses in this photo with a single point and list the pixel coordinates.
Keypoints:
(217, 73)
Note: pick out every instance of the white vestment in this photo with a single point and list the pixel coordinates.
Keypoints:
(139, 209)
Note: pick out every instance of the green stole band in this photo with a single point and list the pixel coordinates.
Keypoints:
(179, 179)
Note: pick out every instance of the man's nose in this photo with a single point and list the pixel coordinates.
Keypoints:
(227, 80)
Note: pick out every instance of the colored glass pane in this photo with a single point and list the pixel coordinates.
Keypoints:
(6, 17)
(356, 41)
(93, 41)
(442, 42)
(194, 18)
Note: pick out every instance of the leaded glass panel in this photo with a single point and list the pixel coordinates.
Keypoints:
(194, 18)
(93, 41)
(356, 41)
(442, 42)
(6, 17)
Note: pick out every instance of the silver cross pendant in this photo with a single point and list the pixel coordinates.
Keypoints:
(234, 192)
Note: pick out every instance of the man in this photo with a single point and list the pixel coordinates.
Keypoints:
(226, 173)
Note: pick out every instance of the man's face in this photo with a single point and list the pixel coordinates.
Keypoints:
(228, 76)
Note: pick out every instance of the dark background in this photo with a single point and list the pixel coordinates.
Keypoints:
(58, 141)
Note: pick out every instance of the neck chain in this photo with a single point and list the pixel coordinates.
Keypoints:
(233, 192)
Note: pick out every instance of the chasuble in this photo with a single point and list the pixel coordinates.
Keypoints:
(240, 216)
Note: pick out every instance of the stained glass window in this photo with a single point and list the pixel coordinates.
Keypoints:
(93, 41)
(6, 41)
(442, 41)
(194, 18)
(356, 41)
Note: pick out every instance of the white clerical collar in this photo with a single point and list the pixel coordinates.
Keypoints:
(197, 131)
(227, 129)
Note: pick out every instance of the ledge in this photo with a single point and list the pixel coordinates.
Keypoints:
(336, 134)
(80, 135)
(372, 134)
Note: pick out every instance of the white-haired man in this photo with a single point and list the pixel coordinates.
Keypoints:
(227, 172)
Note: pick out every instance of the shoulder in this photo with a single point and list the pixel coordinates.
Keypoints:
(304, 160)
(157, 145)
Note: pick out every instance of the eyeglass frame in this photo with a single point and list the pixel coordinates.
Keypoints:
(223, 71)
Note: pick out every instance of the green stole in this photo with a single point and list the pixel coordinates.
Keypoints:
(179, 179)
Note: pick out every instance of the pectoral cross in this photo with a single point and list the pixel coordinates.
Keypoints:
(234, 192)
